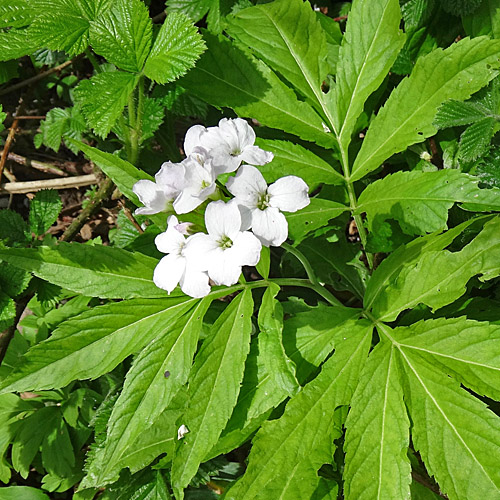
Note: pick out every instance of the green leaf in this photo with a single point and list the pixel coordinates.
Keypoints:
(121, 172)
(442, 412)
(377, 435)
(264, 264)
(158, 372)
(420, 200)
(16, 43)
(438, 278)
(13, 280)
(213, 388)
(195, 9)
(7, 311)
(123, 35)
(287, 35)
(177, 47)
(61, 123)
(315, 215)
(94, 271)
(94, 342)
(103, 97)
(58, 456)
(44, 210)
(467, 350)
(16, 13)
(484, 21)
(24, 492)
(293, 159)
(475, 140)
(225, 75)
(370, 46)
(407, 116)
(405, 255)
(13, 228)
(460, 7)
(456, 113)
(288, 452)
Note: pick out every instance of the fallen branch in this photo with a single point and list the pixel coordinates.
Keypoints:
(38, 165)
(31, 186)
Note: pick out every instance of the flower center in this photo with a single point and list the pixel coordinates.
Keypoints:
(205, 184)
(235, 152)
(263, 201)
(225, 242)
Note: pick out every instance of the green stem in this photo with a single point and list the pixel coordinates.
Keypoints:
(92, 58)
(303, 260)
(135, 120)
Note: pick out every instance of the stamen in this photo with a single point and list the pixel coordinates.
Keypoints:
(225, 242)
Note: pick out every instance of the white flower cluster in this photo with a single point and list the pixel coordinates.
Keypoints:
(195, 259)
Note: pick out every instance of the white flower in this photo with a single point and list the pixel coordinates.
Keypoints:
(229, 144)
(182, 431)
(199, 181)
(225, 249)
(158, 196)
(175, 268)
(260, 205)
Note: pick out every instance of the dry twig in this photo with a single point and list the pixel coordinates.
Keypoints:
(31, 186)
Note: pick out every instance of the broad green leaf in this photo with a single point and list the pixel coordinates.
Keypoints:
(475, 140)
(225, 75)
(123, 35)
(22, 492)
(468, 350)
(103, 97)
(466, 463)
(158, 372)
(121, 172)
(16, 43)
(195, 9)
(438, 278)
(287, 35)
(13, 228)
(7, 311)
(44, 210)
(16, 13)
(13, 280)
(406, 255)
(484, 21)
(288, 452)
(377, 435)
(315, 215)
(177, 47)
(58, 457)
(310, 336)
(370, 46)
(407, 116)
(293, 159)
(213, 388)
(420, 200)
(94, 271)
(94, 342)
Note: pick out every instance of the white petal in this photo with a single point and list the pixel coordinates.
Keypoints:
(289, 194)
(222, 219)
(246, 249)
(169, 271)
(270, 226)
(237, 133)
(193, 138)
(151, 195)
(246, 215)
(248, 186)
(223, 161)
(224, 270)
(171, 175)
(172, 240)
(186, 202)
(194, 282)
(256, 156)
(200, 250)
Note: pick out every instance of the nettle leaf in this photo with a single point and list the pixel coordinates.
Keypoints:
(64, 24)
(227, 76)
(213, 388)
(103, 97)
(13, 280)
(484, 21)
(288, 452)
(121, 172)
(407, 116)
(7, 311)
(456, 113)
(148, 391)
(123, 35)
(475, 140)
(16, 43)
(287, 35)
(370, 46)
(315, 215)
(420, 200)
(13, 228)
(293, 159)
(94, 342)
(466, 464)
(95, 271)
(16, 13)
(377, 437)
(177, 47)
(438, 278)
(44, 210)
(195, 9)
